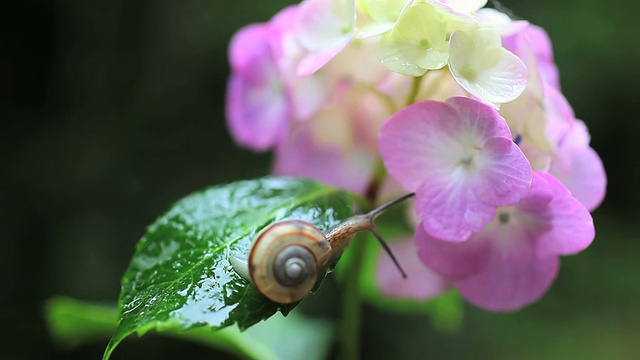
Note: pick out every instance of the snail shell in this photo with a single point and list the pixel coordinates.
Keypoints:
(285, 258)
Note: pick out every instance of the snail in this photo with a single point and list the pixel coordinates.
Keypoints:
(286, 256)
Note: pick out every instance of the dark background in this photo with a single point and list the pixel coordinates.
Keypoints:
(113, 110)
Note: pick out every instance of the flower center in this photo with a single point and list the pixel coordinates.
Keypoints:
(468, 72)
(466, 159)
(504, 218)
(424, 43)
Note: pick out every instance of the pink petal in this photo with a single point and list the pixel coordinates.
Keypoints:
(570, 226)
(314, 61)
(410, 140)
(579, 167)
(452, 260)
(449, 209)
(470, 112)
(309, 93)
(535, 204)
(302, 156)
(257, 114)
(512, 278)
(247, 45)
(421, 283)
(257, 105)
(281, 26)
(507, 176)
(543, 50)
(559, 114)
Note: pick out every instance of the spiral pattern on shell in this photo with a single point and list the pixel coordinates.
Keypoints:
(285, 258)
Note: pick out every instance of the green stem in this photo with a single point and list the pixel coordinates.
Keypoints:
(415, 88)
(351, 306)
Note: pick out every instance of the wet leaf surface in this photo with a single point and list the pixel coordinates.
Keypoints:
(180, 276)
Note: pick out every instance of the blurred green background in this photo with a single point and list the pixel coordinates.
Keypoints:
(113, 110)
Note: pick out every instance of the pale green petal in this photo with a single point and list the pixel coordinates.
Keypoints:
(461, 51)
(453, 20)
(417, 43)
(433, 60)
(487, 49)
(373, 29)
(419, 21)
(382, 10)
(395, 54)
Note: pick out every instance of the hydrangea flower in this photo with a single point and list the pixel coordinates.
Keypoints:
(257, 108)
(513, 261)
(459, 158)
(318, 81)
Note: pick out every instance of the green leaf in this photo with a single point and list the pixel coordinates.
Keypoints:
(180, 276)
(72, 323)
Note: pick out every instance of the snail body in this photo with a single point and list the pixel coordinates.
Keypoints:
(286, 256)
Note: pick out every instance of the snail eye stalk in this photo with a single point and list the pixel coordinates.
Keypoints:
(386, 247)
(373, 215)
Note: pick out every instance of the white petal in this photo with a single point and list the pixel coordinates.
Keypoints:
(323, 24)
(485, 69)
(464, 6)
(505, 81)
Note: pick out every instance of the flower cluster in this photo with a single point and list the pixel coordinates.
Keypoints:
(455, 102)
